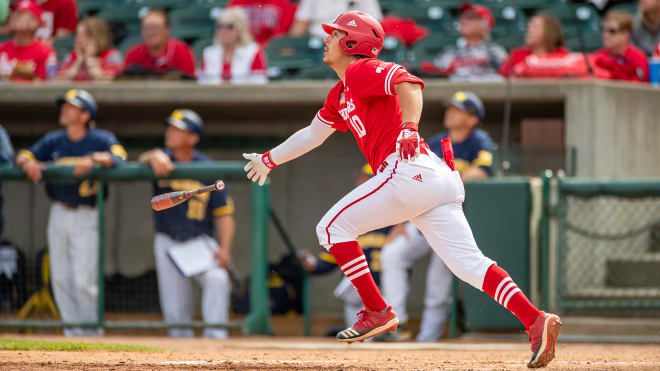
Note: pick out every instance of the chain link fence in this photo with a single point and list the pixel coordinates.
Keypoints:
(608, 245)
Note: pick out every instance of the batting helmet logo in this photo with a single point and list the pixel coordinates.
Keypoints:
(365, 34)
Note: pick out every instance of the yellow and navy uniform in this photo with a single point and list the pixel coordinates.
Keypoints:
(371, 243)
(475, 150)
(58, 148)
(196, 216)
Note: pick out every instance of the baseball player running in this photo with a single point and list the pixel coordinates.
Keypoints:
(381, 104)
(188, 225)
(473, 149)
(73, 238)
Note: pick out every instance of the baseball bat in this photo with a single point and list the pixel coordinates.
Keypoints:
(167, 200)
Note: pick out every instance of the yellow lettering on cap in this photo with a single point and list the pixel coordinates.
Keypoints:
(177, 115)
(71, 94)
(460, 96)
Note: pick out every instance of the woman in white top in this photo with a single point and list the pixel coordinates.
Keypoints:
(234, 57)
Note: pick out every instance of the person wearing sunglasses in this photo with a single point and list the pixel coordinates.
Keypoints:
(619, 59)
(474, 57)
(234, 57)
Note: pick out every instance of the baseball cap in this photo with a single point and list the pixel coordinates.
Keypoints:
(28, 6)
(468, 102)
(81, 99)
(187, 120)
(481, 11)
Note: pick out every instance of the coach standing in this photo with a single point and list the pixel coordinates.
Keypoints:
(189, 226)
(73, 239)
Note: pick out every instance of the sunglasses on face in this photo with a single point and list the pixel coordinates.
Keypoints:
(611, 30)
(228, 26)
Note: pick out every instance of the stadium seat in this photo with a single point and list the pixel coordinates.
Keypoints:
(163, 4)
(388, 5)
(198, 19)
(591, 42)
(287, 55)
(435, 18)
(129, 42)
(317, 72)
(427, 49)
(532, 5)
(508, 20)
(510, 42)
(626, 7)
(574, 16)
(447, 4)
(393, 50)
(63, 46)
(199, 46)
(123, 19)
(91, 7)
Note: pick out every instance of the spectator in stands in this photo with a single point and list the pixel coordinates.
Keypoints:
(544, 54)
(234, 57)
(93, 57)
(159, 54)
(268, 18)
(620, 60)
(59, 19)
(24, 58)
(656, 52)
(311, 14)
(474, 57)
(646, 26)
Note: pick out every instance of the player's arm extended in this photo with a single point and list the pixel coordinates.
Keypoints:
(301, 142)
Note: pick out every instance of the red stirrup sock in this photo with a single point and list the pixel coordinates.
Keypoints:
(353, 263)
(499, 285)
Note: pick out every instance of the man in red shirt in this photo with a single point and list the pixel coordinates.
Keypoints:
(23, 58)
(159, 53)
(620, 60)
(268, 18)
(59, 18)
(381, 104)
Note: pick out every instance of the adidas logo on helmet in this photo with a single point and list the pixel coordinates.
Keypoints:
(352, 23)
(365, 34)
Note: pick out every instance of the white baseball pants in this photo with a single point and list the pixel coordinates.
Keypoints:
(427, 193)
(175, 291)
(73, 247)
(397, 258)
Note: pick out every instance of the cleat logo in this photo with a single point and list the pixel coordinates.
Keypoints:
(418, 178)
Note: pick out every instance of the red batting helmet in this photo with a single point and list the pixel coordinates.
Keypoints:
(362, 29)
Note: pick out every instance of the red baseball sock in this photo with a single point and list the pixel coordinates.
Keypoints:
(499, 285)
(353, 263)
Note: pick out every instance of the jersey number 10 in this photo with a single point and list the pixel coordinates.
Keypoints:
(356, 123)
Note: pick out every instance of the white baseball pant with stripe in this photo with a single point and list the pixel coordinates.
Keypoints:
(73, 248)
(175, 289)
(427, 193)
(397, 258)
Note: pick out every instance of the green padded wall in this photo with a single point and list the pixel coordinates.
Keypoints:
(498, 212)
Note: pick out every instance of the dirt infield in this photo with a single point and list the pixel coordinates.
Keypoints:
(325, 354)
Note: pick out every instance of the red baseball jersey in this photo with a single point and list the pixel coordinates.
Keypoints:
(57, 14)
(177, 56)
(38, 57)
(110, 61)
(367, 104)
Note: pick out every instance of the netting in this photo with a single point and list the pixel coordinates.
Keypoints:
(609, 253)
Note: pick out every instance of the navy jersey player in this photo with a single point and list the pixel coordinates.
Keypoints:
(6, 156)
(192, 223)
(73, 241)
(371, 244)
(473, 151)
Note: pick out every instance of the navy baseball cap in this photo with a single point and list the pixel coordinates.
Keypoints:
(81, 99)
(187, 120)
(468, 102)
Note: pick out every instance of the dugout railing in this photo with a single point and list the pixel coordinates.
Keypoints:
(258, 319)
(600, 245)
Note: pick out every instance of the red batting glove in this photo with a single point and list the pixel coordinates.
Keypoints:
(407, 143)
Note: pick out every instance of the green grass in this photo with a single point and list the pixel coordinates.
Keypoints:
(11, 344)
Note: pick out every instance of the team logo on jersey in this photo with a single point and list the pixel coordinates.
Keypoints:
(345, 112)
(418, 178)
(352, 23)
